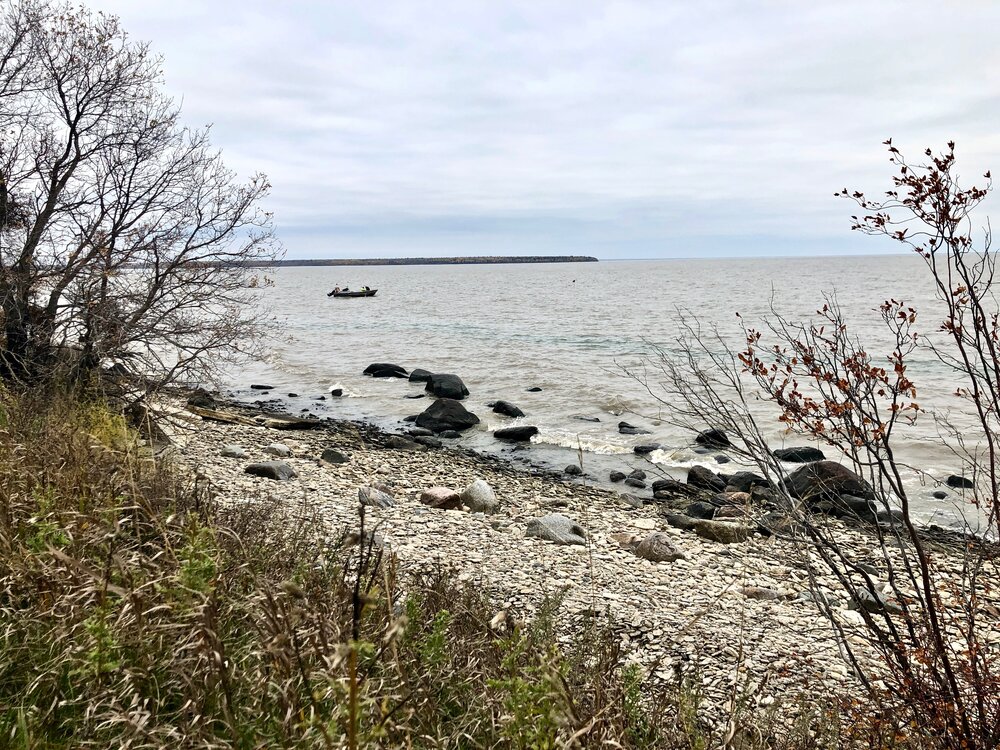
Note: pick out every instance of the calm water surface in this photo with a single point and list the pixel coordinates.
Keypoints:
(568, 329)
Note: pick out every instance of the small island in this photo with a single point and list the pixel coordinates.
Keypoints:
(467, 260)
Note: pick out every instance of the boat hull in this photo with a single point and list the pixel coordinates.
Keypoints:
(369, 293)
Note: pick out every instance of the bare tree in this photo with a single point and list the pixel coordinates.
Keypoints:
(939, 665)
(124, 236)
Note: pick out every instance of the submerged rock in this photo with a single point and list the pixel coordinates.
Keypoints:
(573, 470)
(385, 370)
(959, 482)
(521, 434)
(445, 385)
(420, 376)
(802, 455)
(617, 476)
(507, 409)
(557, 528)
(713, 438)
(630, 429)
(643, 450)
(446, 414)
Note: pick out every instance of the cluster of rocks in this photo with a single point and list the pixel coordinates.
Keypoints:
(683, 583)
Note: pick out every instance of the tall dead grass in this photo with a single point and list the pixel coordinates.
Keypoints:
(134, 612)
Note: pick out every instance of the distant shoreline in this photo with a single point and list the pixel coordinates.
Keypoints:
(453, 261)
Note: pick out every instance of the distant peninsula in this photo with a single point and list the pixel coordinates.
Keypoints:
(468, 260)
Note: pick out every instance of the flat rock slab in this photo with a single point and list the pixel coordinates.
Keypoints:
(441, 498)
(278, 470)
(557, 528)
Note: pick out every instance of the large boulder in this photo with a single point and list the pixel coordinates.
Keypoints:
(385, 370)
(446, 414)
(507, 409)
(277, 470)
(960, 483)
(441, 498)
(479, 497)
(420, 376)
(803, 455)
(713, 438)
(706, 479)
(521, 434)
(557, 528)
(630, 429)
(826, 480)
(658, 547)
(445, 385)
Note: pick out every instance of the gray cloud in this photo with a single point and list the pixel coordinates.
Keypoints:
(619, 129)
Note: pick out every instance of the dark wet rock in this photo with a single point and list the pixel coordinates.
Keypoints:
(430, 442)
(534, 389)
(333, 456)
(521, 434)
(441, 498)
(858, 507)
(320, 398)
(261, 387)
(557, 528)
(507, 409)
(446, 385)
(701, 509)
(637, 483)
(420, 376)
(630, 429)
(334, 393)
(706, 479)
(410, 417)
(826, 480)
(385, 370)
(479, 497)
(418, 431)
(277, 470)
(293, 395)
(713, 438)
(645, 449)
(202, 399)
(960, 483)
(637, 474)
(375, 498)
(573, 470)
(415, 395)
(744, 481)
(400, 443)
(617, 476)
(940, 494)
(587, 419)
(446, 414)
(449, 434)
(801, 455)
(721, 459)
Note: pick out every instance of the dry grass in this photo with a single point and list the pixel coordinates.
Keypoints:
(135, 613)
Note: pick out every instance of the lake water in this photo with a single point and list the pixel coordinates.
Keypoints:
(568, 329)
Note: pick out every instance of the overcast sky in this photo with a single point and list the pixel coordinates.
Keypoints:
(621, 130)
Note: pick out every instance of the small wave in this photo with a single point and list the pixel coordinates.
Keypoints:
(600, 444)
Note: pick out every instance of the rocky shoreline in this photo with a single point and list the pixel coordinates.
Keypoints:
(723, 600)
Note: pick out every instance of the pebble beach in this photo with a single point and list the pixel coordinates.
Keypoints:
(740, 618)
